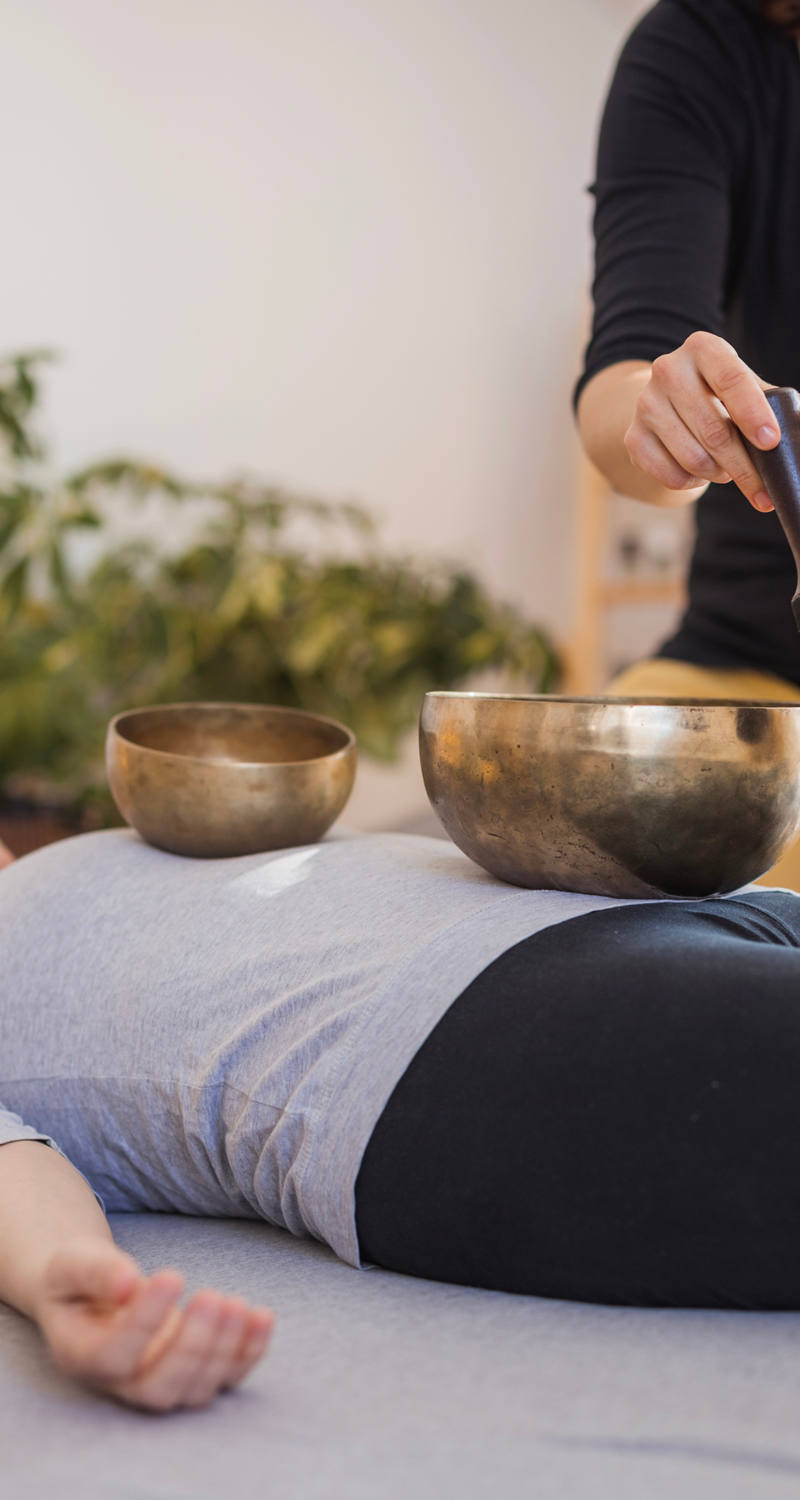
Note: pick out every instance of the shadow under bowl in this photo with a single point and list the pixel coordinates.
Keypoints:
(214, 780)
(614, 796)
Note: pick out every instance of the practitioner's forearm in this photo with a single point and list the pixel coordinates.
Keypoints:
(605, 412)
(43, 1203)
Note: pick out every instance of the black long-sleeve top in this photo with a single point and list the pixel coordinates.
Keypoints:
(697, 226)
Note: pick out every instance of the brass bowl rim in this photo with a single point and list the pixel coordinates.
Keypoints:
(612, 702)
(252, 765)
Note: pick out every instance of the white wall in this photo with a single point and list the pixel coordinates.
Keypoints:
(341, 242)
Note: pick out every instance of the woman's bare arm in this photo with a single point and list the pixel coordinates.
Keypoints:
(105, 1322)
(43, 1203)
(662, 432)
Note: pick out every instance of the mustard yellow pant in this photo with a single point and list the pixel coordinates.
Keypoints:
(661, 678)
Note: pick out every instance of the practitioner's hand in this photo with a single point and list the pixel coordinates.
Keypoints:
(121, 1333)
(684, 428)
(6, 857)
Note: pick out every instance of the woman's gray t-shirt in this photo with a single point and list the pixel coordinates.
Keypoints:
(221, 1036)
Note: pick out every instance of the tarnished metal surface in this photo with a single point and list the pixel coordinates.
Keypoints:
(615, 796)
(216, 779)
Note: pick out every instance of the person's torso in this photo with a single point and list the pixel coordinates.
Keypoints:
(220, 1036)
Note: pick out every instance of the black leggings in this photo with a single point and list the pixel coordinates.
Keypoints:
(610, 1112)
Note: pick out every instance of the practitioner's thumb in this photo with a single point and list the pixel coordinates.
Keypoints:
(95, 1269)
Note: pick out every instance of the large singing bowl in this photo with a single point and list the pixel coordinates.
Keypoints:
(219, 779)
(614, 796)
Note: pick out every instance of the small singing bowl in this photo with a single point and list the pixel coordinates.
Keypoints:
(219, 779)
(614, 796)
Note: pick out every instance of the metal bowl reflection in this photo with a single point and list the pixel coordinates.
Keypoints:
(219, 779)
(614, 796)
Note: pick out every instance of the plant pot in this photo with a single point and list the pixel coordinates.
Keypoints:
(25, 825)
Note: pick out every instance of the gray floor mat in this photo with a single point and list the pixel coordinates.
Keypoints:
(381, 1387)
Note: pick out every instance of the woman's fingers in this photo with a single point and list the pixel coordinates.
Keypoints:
(242, 1337)
(163, 1384)
(700, 414)
(647, 452)
(685, 383)
(212, 1374)
(254, 1344)
(218, 1340)
(121, 1332)
(688, 420)
(736, 386)
(117, 1350)
(664, 418)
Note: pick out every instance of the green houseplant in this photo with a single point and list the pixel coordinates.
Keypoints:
(276, 598)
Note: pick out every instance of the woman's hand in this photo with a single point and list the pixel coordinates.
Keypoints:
(6, 857)
(683, 432)
(121, 1333)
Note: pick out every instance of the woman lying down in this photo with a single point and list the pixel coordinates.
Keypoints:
(372, 1042)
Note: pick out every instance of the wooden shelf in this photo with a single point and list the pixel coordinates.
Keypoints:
(640, 591)
(596, 596)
